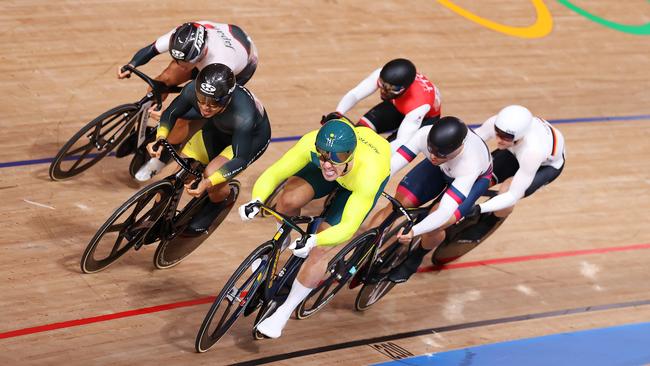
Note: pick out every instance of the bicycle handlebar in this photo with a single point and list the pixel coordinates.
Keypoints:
(180, 160)
(291, 221)
(157, 87)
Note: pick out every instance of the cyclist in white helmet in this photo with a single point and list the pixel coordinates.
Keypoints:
(529, 155)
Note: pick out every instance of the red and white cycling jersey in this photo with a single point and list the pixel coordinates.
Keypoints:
(421, 92)
(222, 46)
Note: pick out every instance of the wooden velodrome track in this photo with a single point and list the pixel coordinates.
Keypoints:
(57, 72)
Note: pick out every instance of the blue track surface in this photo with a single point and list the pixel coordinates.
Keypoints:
(615, 346)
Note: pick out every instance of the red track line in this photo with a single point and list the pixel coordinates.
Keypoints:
(102, 318)
(206, 300)
(526, 258)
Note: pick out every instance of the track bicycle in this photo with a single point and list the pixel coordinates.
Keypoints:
(125, 124)
(257, 284)
(153, 215)
(457, 242)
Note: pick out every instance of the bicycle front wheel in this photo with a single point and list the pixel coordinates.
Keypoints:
(94, 141)
(234, 297)
(340, 270)
(377, 285)
(128, 225)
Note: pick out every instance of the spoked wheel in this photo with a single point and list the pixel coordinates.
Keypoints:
(272, 200)
(341, 269)
(90, 144)
(234, 297)
(171, 252)
(127, 226)
(377, 284)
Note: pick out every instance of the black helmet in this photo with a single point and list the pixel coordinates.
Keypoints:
(187, 42)
(214, 85)
(396, 76)
(446, 136)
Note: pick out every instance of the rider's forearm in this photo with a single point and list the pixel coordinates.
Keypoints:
(227, 171)
(144, 55)
(499, 202)
(174, 74)
(437, 218)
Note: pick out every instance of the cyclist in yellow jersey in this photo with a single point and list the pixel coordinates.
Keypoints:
(338, 155)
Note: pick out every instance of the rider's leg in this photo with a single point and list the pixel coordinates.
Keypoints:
(295, 195)
(428, 242)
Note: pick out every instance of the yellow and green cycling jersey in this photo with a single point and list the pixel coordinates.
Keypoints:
(369, 172)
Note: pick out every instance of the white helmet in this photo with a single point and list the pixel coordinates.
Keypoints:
(514, 121)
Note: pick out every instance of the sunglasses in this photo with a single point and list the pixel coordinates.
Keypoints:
(335, 158)
(439, 154)
(212, 102)
(504, 135)
(389, 88)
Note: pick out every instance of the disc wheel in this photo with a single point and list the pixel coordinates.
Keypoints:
(94, 141)
(171, 252)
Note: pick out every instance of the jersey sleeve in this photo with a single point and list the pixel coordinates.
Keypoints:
(407, 152)
(522, 179)
(366, 87)
(409, 126)
(289, 164)
(162, 43)
(144, 55)
(178, 107)
(486, 130)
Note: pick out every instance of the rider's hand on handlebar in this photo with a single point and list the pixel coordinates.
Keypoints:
(473, 212)
(331, 115)
(304, 251)
(123, 74)
(154, 153)
(200, 188)
(405, 238)
(248, 210)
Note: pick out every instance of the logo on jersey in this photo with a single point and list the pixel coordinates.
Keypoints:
(178, 54)
(200, 38)
(207, 88)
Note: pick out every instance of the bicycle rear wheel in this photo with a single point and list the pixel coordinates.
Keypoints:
(138, 215)
(377, 285)
(340, 270)
(237, 292)
(171, 252)
(94, 141)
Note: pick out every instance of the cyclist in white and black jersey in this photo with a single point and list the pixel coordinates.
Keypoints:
(458, 163)
(195, 45)
(530, 154)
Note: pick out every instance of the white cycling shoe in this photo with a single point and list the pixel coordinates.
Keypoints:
(273, 325)
(149, 169)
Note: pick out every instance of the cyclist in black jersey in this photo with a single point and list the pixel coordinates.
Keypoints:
(236, 132)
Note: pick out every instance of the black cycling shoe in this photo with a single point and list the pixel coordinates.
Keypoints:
(201, 222)
(405, 270)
